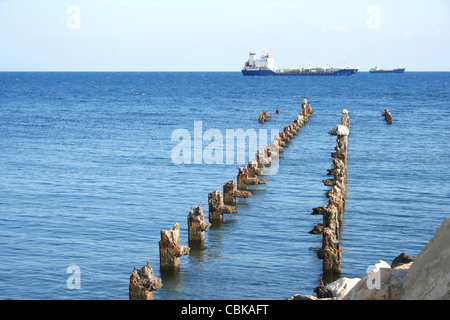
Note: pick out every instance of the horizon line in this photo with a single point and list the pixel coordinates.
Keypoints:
(173, 71)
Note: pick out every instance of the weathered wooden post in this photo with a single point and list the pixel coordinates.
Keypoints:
(309, 111)
(143, 283)
(264, 116)
(278, 144)
(345, 119)
(197, 226)
(340, 156)
(217, 208)
(244, 179)
(304, 103)
(230, 193)
(332, 254)
(253, 169)
(263, 157)
(387, 116)
(170, 249)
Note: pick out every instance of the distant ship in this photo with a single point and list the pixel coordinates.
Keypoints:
(379, 70)
(265, 67)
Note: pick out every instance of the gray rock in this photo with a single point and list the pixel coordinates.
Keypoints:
(401, 259)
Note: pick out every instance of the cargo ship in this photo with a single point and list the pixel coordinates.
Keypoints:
(379, 70)
(265, 67)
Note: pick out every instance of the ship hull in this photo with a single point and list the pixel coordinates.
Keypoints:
(340, 72)
(388, 71)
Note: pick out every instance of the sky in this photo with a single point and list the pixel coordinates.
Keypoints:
(217, 35)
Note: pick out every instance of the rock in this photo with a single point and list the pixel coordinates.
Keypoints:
(380, 264)
(397, 281)
(371, 287)
(342, 286)
(429, 275)
(322, 291)
(381, 283)
(401, 259)
(425, 278)
(302, 297)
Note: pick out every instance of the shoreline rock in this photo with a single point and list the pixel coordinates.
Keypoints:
(382, 283)
(429, 275)
(401, 259)
(425, 278)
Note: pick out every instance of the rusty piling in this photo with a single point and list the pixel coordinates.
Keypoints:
(387, 116)
(264, 116)
(217, 208)
(143, 283)
(197, 226)
(170, 249)
(230, 193)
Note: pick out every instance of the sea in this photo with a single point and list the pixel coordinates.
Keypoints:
(88, 179)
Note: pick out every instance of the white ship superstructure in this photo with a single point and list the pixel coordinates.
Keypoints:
(264, 63)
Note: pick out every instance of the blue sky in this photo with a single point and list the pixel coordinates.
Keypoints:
(215, 35)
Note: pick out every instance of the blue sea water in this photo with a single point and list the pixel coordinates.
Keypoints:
(87, 179)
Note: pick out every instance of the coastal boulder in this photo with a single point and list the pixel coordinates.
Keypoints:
(429, 276)
(401, 259)
(425, 278)
(341, 287)
(302, 297)
(381, 283)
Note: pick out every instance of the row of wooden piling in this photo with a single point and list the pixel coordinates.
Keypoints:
(332, 213)
(143, 282)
